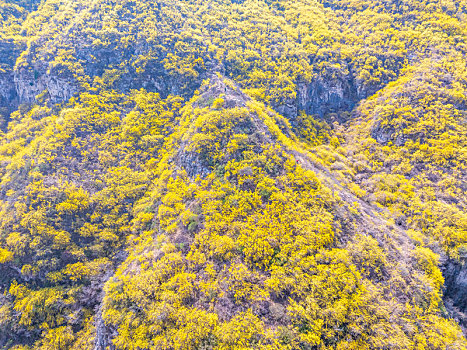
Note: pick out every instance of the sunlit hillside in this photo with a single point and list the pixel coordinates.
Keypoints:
(228, 174)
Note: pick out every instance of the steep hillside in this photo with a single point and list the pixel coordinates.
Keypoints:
(410, 153)
(261, 253)
(233, 174)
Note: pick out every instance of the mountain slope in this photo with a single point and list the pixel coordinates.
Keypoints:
(249, 254)
(233, 174)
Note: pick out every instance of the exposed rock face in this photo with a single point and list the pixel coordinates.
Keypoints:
(232, 96)
(322, 96)
(325, 96)
(8, 50)
(455, 276)
(29, 83)
(226, 89)
(382, 135)
(192, 163)
(24, 84)
(8, 94)
(319, 97)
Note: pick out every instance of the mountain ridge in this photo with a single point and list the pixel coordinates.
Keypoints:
(233, 174)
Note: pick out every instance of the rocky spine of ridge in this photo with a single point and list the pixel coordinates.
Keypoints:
(187, 165)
